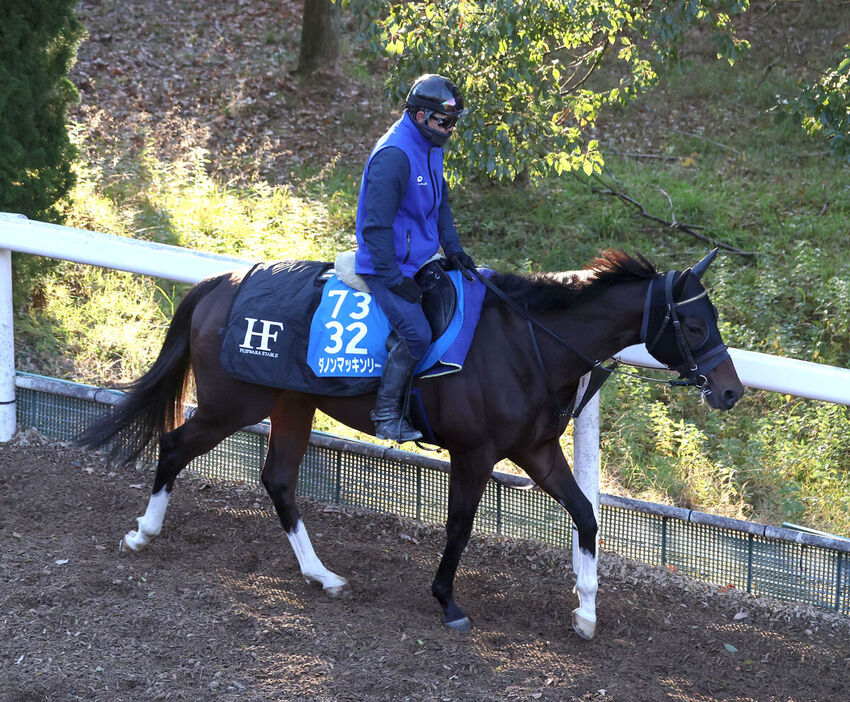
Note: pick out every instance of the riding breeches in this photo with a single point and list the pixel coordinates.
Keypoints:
(407, 318)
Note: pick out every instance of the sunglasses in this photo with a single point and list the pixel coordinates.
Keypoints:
(445, 122)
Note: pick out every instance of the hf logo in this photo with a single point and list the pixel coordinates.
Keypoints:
(265, 336)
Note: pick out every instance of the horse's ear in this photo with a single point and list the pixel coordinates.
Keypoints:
(701, 267)
(679, 287)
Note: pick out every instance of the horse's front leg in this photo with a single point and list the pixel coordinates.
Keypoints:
(469, 475)
(548, 468)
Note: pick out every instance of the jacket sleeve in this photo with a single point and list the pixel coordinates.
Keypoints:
(386, 181)
(449, 239)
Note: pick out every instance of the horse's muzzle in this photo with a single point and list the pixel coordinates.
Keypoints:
(723, 387)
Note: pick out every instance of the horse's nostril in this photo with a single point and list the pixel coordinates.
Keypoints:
(730, 397)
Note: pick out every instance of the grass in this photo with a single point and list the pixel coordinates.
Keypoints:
(729, 166)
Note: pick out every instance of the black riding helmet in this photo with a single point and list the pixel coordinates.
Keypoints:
(432, 93)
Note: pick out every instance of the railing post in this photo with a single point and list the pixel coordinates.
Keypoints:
(586, 455)
(7, 349)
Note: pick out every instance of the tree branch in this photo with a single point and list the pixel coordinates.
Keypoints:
(686, 228)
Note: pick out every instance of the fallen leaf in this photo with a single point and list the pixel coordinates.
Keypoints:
(730, 648)
(741, 615)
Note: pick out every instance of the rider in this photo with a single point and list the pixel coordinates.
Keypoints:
(403, 217)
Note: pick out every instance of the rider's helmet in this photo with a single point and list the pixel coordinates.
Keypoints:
(432, 93)
(436, 94)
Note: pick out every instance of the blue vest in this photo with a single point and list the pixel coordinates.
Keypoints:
(415, 232)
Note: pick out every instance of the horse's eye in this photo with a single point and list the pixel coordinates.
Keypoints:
(696, 329)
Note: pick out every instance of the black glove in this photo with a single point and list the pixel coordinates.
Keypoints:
(407, 289)
(461, 261)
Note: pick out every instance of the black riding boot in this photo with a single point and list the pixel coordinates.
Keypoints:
(387, 415)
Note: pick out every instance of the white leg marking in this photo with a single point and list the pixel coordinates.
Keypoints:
(311, 567)
(587, 583)
(150, 524)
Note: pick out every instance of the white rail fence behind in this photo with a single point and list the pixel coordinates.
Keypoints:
(17, 233)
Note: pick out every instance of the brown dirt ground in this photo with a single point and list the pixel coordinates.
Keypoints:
(216, 609)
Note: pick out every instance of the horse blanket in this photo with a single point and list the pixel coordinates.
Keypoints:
(294, 325)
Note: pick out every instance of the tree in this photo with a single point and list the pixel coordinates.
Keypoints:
(38, 44)
(319, 42)
(823, 107)
(530, 68)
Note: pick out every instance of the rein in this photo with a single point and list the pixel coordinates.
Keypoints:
(599, 373)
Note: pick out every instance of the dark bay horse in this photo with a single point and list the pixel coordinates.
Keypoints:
(523, 368)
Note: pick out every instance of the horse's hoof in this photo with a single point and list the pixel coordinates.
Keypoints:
(459, 624)
(333, 586)
(131, 543)
(586, 628)
(337, 590)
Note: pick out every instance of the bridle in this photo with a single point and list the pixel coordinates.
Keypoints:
(694, 369)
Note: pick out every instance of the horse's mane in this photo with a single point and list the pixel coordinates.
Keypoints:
(540, 292)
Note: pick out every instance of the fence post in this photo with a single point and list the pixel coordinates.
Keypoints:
(586, 455)
(7, 349)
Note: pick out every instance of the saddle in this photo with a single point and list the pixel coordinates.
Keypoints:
(439, 297)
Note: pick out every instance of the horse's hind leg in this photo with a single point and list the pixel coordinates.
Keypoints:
(176, 449)
(291, 422)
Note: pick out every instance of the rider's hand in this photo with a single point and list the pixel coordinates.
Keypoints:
(407, 289)
(463, 262)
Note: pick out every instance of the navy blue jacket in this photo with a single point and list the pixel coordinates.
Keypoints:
(403, 213)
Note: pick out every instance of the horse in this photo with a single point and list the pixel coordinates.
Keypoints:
(536, 337)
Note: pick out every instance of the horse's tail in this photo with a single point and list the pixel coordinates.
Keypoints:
(153, 404)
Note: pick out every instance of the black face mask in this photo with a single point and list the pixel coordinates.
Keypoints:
(435, 136)
(689, 300)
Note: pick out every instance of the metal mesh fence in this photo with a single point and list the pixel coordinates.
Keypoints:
(786, 570)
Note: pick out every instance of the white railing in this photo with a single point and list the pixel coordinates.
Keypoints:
(17, 233)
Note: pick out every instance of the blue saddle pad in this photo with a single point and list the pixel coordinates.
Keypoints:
(348, 335)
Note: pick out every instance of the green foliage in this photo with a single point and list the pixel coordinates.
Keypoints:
(528, 69)
(38, 46)
(823, 107)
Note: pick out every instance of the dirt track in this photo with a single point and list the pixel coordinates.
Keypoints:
(217, 610)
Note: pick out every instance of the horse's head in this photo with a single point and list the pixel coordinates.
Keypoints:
(680, 331)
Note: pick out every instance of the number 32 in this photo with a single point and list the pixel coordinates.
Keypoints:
(358, 327)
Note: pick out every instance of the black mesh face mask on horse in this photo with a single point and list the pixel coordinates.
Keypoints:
(680, 324)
